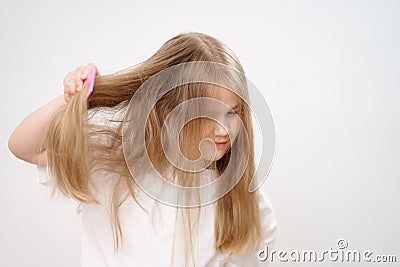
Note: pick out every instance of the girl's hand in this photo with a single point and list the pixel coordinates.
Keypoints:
(73, 81)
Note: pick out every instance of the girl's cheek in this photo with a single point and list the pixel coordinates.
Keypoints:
(234, 130)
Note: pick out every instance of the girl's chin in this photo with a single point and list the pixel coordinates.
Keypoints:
(213, 155)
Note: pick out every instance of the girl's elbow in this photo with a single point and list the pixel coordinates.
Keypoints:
(17, 149)
(13, 146)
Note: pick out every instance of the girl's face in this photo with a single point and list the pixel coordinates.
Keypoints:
(222, 133)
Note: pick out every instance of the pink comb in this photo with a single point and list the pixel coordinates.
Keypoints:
(90, 78)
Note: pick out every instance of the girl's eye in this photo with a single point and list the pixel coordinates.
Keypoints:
(232, 112)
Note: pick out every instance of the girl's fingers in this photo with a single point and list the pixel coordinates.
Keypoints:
(71, 87)
(66, 79)
(90, 66)
(78, 80)
(87, 69)
(67, 97)
(73, 81)
(69, 83)
(85, 73)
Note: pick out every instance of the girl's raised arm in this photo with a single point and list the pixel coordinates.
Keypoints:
(26, 141)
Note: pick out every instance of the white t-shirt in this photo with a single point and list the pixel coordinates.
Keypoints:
(147, 238)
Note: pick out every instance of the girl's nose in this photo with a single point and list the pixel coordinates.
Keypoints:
(220, 130)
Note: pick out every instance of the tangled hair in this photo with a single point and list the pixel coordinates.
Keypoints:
(75, 154)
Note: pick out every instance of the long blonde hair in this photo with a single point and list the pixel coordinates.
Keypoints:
(73, 156)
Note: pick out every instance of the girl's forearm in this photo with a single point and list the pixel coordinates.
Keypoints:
(26, 140)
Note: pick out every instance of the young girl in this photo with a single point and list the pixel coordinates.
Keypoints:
(107, 150)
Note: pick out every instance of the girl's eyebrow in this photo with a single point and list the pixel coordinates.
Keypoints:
(235, 106)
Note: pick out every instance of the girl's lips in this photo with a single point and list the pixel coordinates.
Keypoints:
(220, 145)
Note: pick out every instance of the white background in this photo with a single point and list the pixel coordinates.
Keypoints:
(329, 71)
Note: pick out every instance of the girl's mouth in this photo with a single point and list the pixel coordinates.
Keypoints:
(221, 144)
